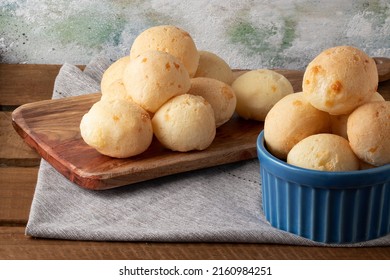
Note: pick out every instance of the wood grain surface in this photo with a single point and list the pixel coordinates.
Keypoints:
(34, 77)
(52, 128)
(13, 151)
(14, 245)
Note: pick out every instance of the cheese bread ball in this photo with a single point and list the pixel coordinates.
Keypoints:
(339, 122)
(154, 77)
(213, 66)
(185, 123)
(114, 73)
(117, 128)
(257, 91)
(170, 39)
(116, 90)
(220, 96)
(340, 79)
(325, 152)
(291, 120)
(368, 130)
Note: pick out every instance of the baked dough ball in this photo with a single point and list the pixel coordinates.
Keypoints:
(170, 39)
(257, 91)
(116, 90)
(325, 152)
(339, 122)
(154, 77)
(114, 73)
(368, 130)
(117, 128)
(213, 66)
(185, 123)
(340, 79)
(220, 96)
(291, 120)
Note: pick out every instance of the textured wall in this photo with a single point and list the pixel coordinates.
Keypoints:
(247, 34)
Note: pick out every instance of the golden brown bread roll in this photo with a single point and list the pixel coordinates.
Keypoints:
(325, 152)
(213, 66)
(116, 90)
(257, 91)
(186, 122)
(154, 77)
(114, 73)
(339, 122)
(117, 128)
(340, 79)
(170, 39)
(291, 120)
(219, 94)
(368, 130)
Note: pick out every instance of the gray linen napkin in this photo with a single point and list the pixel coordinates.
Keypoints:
(219, 204)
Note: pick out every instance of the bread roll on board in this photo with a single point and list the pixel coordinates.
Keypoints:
(220, 96)
(114, 73)
(213, 66)
(154, 77)
(185, 123)
(170, 39)
(117, 128)
(257, 91)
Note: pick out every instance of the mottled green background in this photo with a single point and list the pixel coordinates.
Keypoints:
(247, 34)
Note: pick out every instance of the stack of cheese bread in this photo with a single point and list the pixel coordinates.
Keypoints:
(339, 122)
(166, 88)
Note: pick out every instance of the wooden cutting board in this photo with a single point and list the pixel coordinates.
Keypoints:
(52, 128)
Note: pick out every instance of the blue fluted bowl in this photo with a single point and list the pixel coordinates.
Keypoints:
(328, 207)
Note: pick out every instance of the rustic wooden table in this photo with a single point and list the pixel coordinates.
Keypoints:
(20, 84)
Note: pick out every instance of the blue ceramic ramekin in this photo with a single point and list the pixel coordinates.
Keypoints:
(328, 207)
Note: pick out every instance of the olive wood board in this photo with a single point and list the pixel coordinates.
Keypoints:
(51, 127)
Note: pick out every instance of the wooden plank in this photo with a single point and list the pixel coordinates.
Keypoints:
(15, 245)
(17, 187)
(23, 83)
(13, 150)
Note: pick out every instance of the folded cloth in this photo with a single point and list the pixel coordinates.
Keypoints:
(218, 204)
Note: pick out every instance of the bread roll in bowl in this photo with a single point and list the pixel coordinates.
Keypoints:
(153, 77)
(368, 130)
(114, 73)
(186, 122)
(257, 91)
(213, 66)
(291, 120)
(339, 122)
(340, 79)
(325, 152)
(219, 94)
(117, 128)
(170, 39)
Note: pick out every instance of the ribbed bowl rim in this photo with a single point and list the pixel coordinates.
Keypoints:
(320, 179)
